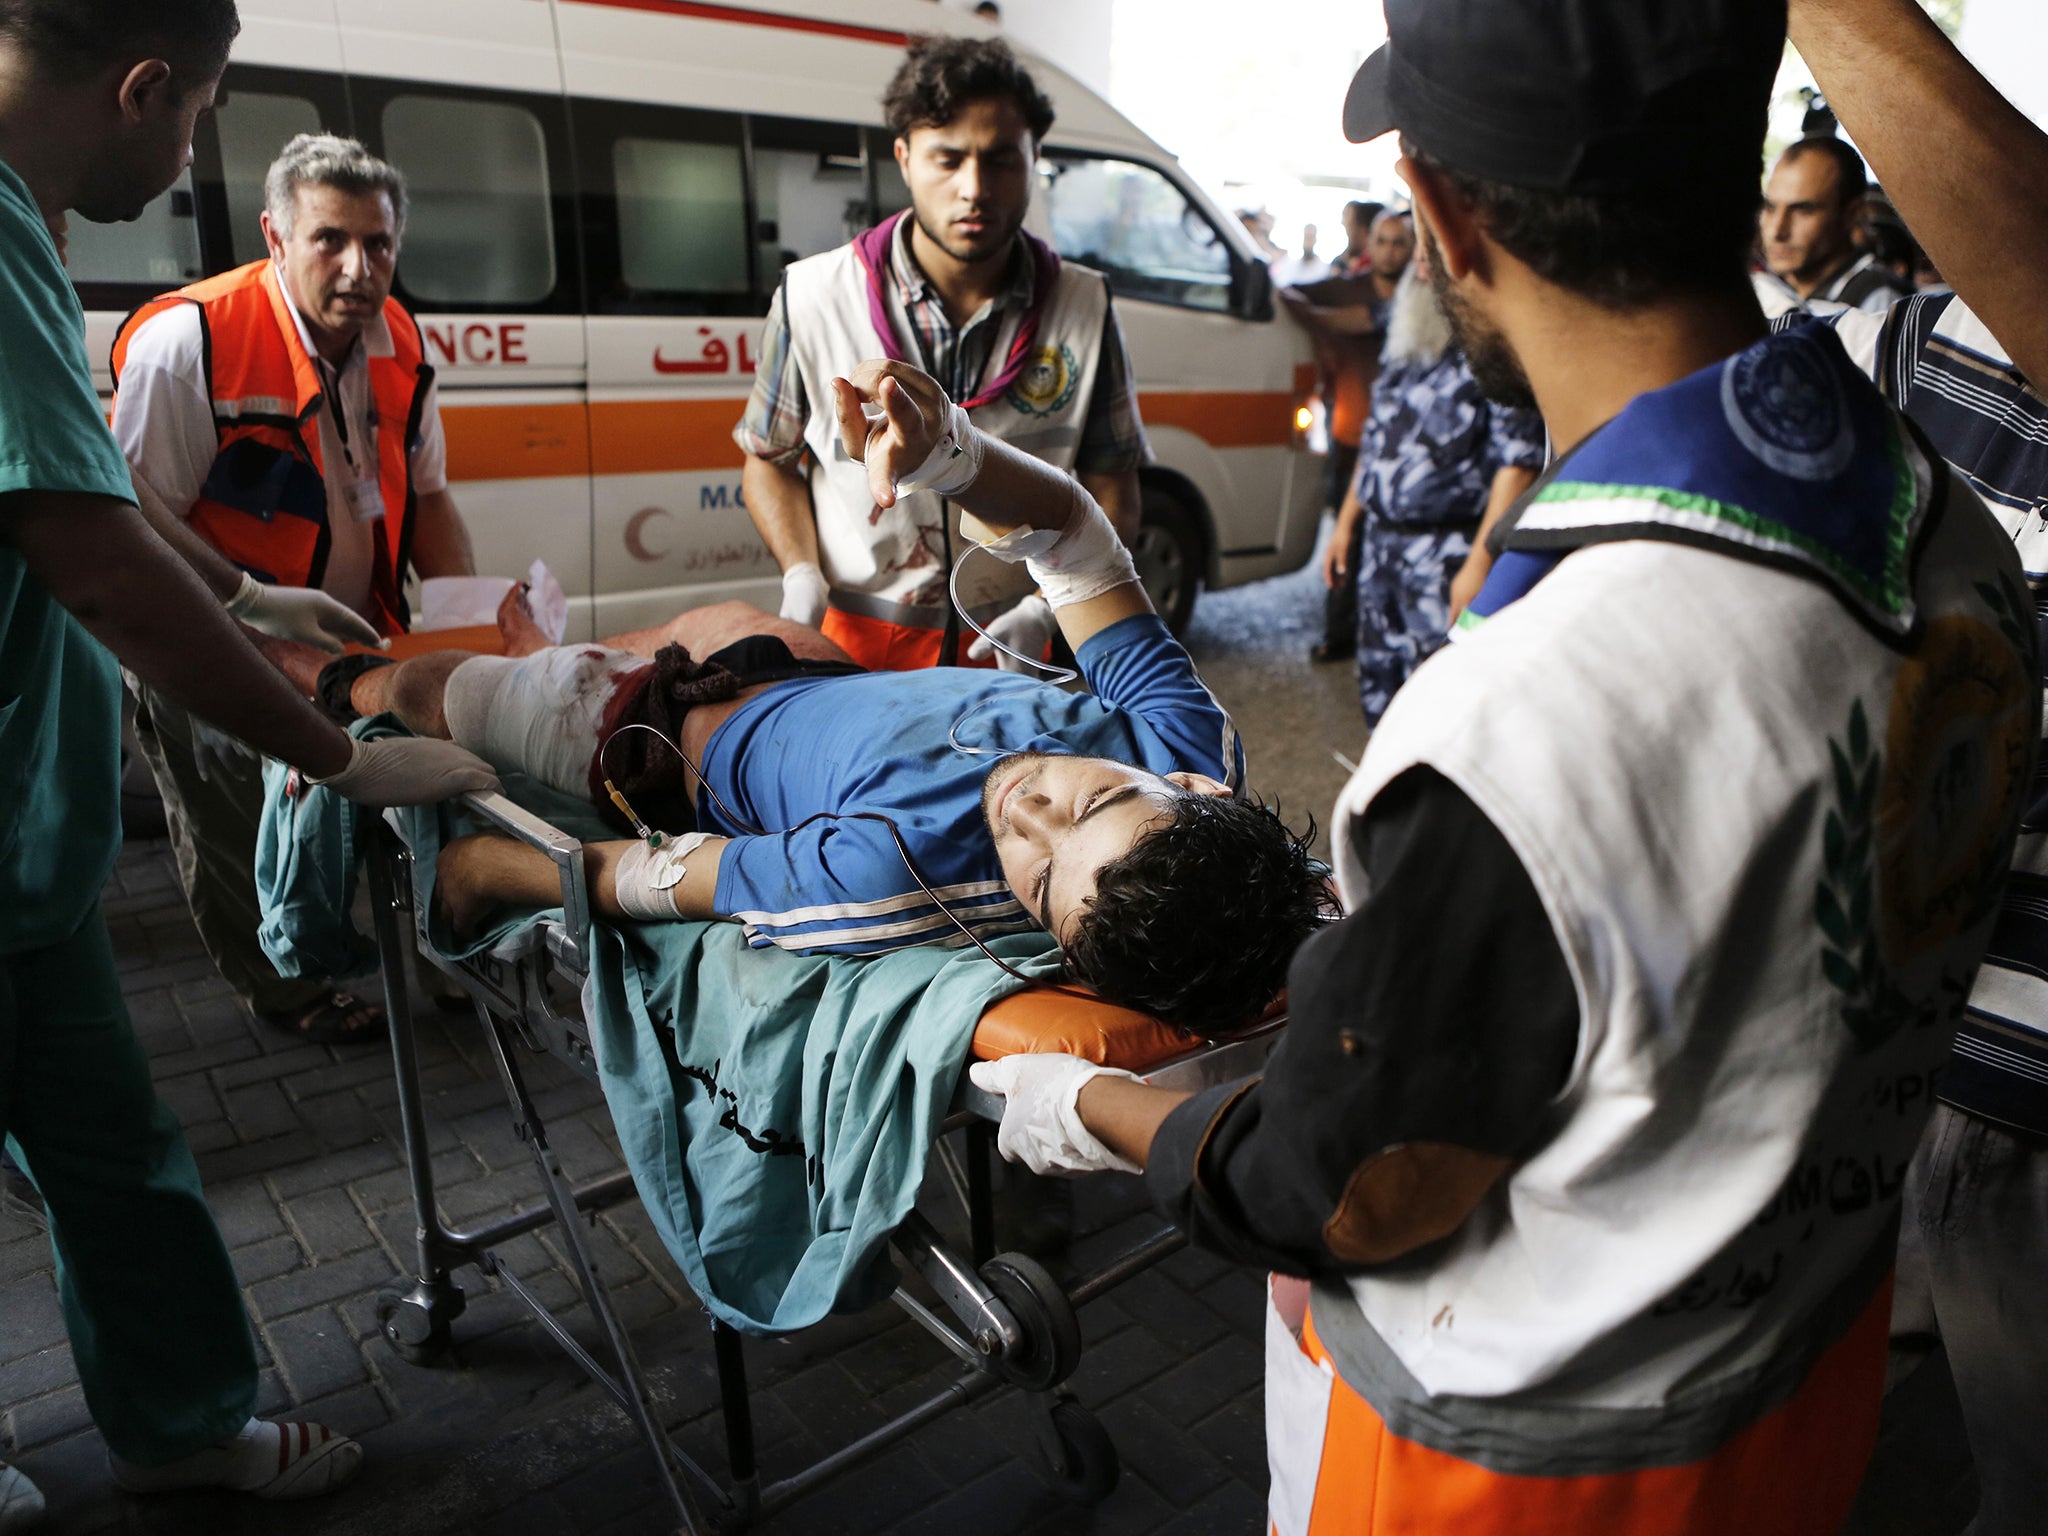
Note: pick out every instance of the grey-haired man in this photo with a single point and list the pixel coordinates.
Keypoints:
(281, 425)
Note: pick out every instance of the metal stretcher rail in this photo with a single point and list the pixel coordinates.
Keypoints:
(1004, 1317)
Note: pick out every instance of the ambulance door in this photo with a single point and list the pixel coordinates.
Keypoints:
(690, 216)
(465, 97)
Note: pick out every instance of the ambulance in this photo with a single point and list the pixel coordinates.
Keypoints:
(604, 195)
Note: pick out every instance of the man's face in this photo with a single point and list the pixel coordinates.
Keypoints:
(1487, 352)
(151, 145)
(1392, 245)
(1057, 820)
(1806, 226)
(970, 180)
(339, 258)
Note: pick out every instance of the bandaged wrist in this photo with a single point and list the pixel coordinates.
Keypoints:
(1087, 560)
(953, 465)
(646, 878)
(247, 595)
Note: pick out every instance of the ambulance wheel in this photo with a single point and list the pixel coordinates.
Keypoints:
(1169, 555)
(415, 1336)
(1088, 1463)
(1051, 1346)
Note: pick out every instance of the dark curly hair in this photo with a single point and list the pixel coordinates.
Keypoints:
(1196, 924)
(941, 75)
(76, 38)
(1621, 251)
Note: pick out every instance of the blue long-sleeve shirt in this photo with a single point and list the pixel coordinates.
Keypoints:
(879, 742)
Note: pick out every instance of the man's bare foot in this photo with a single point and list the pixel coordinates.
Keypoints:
(523, 635)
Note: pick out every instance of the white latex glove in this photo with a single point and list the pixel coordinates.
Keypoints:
(411, 770)
(803, 594)
(304, 614)
(1041, 1127)
(1026, 628)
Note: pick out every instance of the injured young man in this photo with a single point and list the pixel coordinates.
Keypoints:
(838, 809)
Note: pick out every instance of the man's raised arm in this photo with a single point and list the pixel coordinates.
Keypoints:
(1966, 171)
(922, 440)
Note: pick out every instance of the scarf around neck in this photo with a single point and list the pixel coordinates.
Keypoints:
(871, 249)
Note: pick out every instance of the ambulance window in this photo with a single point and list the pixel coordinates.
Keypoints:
(481, 231)
(810, 192)
(254, 127)
(159, 250)
(682, 216)
(1137, 228)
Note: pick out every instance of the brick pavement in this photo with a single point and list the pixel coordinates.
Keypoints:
(300, 1151)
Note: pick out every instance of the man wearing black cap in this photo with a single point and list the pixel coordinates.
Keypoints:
(1718, 779)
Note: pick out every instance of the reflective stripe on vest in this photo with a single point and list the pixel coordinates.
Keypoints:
(893, 565)
(1339, 1470)
(265, 503)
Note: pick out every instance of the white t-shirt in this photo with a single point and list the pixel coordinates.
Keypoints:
(163, 421)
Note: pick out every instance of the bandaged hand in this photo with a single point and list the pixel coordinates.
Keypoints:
(804, 595)
(304, 614)
(410, 770)
(897, 421)
(1042, 1126)
(1026, 629)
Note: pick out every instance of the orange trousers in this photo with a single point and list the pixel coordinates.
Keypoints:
(881, 646)
(1794, 1472)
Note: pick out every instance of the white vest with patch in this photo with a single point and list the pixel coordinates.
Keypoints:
(1769, 843)
(893, 564)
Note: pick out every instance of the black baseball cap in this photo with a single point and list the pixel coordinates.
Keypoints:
(1594, 96)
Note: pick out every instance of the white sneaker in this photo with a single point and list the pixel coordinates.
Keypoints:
(21, 1503)
(271, 1460)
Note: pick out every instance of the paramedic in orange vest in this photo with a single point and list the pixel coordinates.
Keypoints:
(1028, 343)
(1666, 882)
(280, 424)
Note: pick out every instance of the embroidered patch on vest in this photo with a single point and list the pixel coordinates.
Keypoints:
(1784, 452)
(1785, 407)
(1047, 384)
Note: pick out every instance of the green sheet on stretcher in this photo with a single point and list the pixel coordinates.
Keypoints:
(776, 1110)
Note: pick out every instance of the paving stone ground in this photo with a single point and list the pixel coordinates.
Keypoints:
(300, 1151)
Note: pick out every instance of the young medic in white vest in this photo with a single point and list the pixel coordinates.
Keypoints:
(1028, 344)
(1666, 883)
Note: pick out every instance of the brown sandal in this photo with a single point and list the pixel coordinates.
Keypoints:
(329, 1021)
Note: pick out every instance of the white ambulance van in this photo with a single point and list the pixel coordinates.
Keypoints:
(604, 194)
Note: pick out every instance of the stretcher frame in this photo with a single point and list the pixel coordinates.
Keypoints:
(1003, 1317)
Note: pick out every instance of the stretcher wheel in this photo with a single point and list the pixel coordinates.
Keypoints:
(415, 1335)
(1052, 1334)
(1089, 1465)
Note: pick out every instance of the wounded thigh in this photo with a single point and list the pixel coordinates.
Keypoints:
(539, 715)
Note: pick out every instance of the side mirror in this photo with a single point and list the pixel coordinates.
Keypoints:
(1251, 289)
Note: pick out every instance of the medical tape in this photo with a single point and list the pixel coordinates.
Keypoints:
(647, 876)
(954, 462)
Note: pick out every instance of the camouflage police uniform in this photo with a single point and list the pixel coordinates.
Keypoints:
(1432, 446)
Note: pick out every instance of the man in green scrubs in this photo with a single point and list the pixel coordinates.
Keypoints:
(97, 104)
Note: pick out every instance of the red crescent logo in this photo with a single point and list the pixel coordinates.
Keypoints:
(636, 525)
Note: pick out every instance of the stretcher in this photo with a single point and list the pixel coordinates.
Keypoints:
(1003, 1317)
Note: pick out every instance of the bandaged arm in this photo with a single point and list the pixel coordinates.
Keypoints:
(923, 442)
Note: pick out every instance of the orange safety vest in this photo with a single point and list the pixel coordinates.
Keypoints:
(264, 504)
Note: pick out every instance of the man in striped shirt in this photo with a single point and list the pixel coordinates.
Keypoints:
(1974, 1244)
